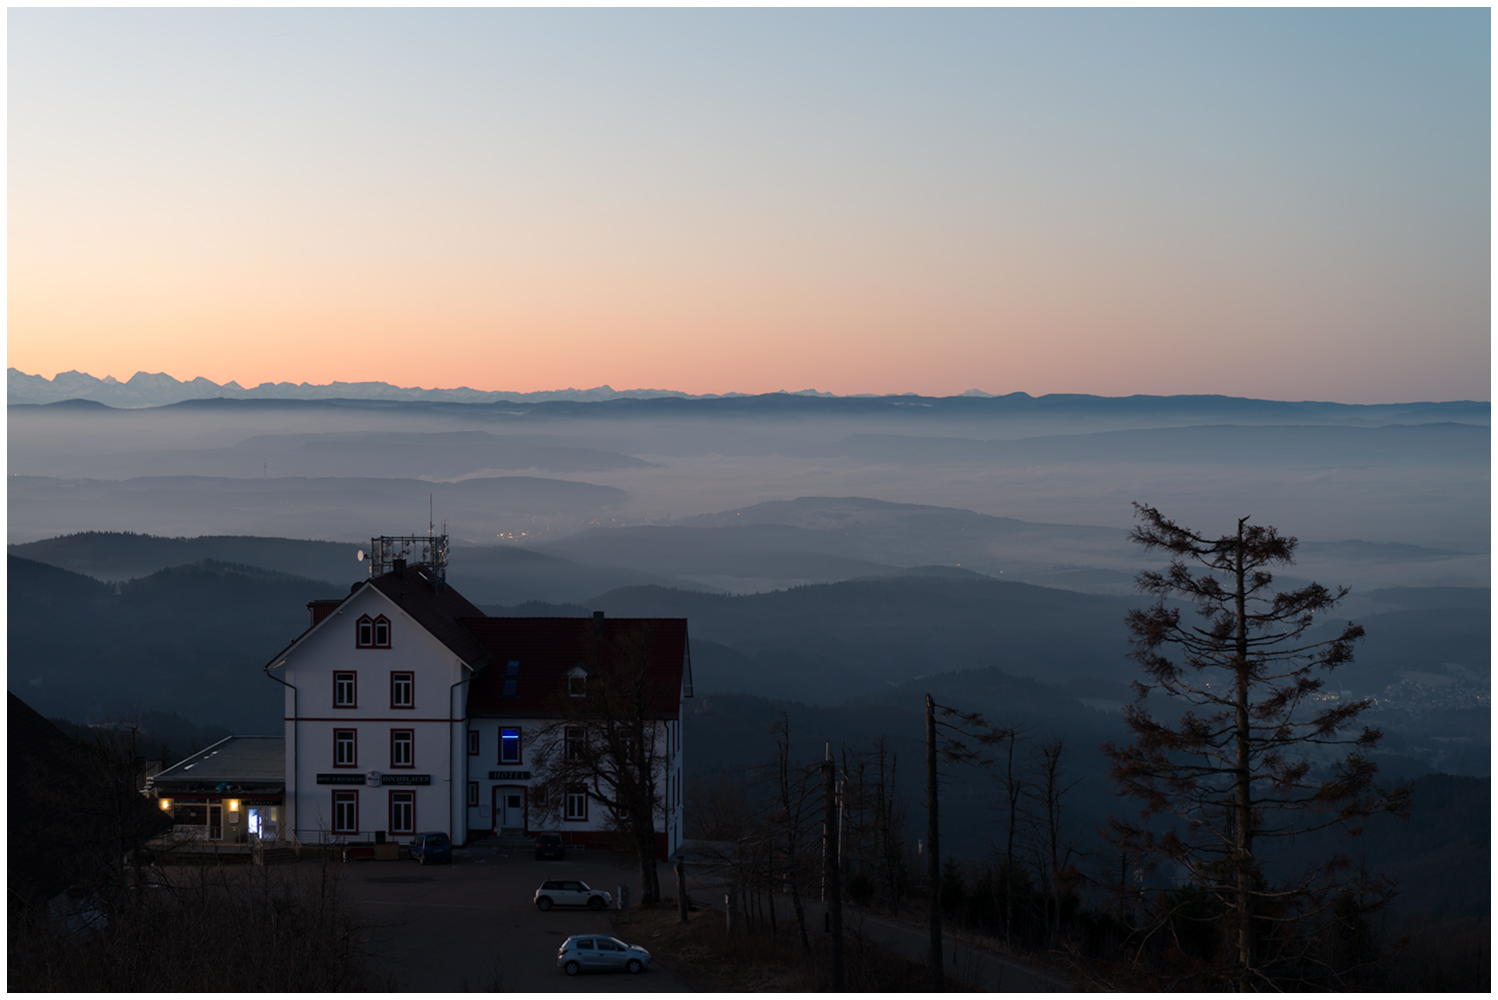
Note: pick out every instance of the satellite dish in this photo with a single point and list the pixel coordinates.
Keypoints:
(359, 555)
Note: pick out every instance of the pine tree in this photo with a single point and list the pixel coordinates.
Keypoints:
(1259, 751)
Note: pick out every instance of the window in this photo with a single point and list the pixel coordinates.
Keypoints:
(577, 683)
(400, 747)
(512, 679)
(575, 743)
(345, 748)
(577, 802)
(402, 812)
(345, 812)
(473, 742)
(509, 746)
(372, 633)
(473, 793)
(403, 690)
(538, 796)
(345, 689)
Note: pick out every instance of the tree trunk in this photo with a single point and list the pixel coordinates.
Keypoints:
(1241, 776)
(831, 873)
(933, 863)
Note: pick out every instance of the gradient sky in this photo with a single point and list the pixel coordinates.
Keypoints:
(1289, 204)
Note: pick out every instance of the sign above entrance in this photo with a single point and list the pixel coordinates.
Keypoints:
(405, 779)
(509, 776)
(340, 779)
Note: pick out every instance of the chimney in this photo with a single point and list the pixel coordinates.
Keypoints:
(398, 567)
(321, 609)
(598, 616)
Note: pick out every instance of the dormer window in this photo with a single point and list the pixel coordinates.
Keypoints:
(577, 681)
(372, 633)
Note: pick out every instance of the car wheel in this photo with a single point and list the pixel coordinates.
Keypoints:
(596, 903)
(544, 903)
(572, 968)
(634, 965)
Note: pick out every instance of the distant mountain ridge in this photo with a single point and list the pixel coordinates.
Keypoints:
(160, 389)
(145, 389)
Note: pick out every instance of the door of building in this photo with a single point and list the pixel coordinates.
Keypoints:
(509, 809)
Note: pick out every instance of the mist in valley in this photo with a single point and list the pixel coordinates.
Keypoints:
(836, 557)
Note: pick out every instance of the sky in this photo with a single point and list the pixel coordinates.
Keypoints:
(1284, 204)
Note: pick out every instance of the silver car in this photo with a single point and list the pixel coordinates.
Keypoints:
(597, 953)
(570, 892)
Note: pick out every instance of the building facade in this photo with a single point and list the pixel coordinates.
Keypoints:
(233, 792)
(408, 710)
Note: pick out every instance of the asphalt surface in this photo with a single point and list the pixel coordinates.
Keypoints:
(472, 926)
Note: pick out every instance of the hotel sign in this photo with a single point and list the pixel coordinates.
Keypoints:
(509, 776)
(374, 778)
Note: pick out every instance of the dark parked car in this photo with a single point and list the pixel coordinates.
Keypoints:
(433, 847)
(549, 845)
(595, 952)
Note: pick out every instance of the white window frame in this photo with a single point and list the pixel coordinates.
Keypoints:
(345, 812)
(402, 738)
(345, 739)
(402, 679)
(403, 801)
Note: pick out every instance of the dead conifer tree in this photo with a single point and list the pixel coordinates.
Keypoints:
(1259, 751)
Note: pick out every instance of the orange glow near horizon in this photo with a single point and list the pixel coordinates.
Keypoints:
(535, 200)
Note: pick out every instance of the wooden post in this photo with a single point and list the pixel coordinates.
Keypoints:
(833, 874)
(933, 860)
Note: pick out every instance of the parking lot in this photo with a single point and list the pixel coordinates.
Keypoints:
(471, 925)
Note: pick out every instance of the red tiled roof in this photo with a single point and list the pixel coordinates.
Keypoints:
(547, 648)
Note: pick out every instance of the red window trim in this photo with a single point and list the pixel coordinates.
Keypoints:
(374, 641)
(355, 734)
(390, 813)
(344, 792)
(473, 742)
(403, 767)
(411, 675)
(567, 799)
(519, 747)
(353, 676)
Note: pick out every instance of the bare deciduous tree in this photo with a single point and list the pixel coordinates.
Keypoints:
(611, 740)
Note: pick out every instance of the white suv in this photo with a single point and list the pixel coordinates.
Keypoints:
(567, 892)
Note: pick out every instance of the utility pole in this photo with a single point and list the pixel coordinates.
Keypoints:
(933, 862)
(833, 875)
